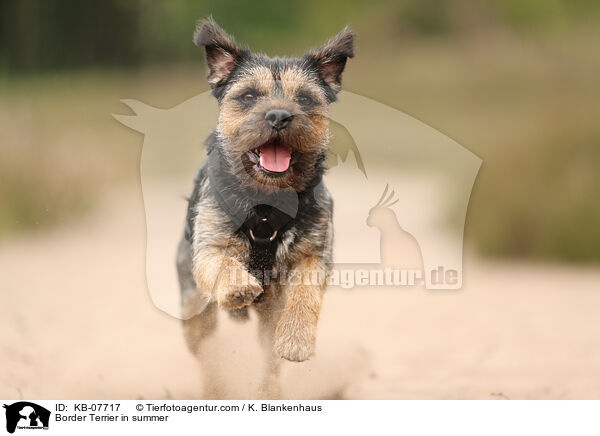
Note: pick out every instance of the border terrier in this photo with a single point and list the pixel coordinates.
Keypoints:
(258, 230)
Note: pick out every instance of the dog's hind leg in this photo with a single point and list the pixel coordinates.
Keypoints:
(199, 317)
(196, 330)
(268, 311)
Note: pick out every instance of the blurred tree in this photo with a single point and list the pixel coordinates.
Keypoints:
(53, 34)
(60, 34)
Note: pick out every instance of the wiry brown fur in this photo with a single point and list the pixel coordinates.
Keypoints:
(213, 260)
(242, 130)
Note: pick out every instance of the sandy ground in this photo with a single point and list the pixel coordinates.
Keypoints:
(77, 322)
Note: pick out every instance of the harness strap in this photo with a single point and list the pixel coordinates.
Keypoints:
(264, 225)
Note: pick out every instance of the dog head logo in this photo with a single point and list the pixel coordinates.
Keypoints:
(26, 415)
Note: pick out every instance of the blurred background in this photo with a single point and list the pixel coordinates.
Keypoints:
(516, 82)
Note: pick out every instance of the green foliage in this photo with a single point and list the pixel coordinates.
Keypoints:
(33, 197)
(541, 201)
(62, 34)
(526, 107)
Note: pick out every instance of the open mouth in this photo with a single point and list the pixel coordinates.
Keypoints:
(272, 157)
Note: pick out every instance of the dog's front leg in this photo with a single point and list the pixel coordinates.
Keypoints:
(295, 334)
(225, 277)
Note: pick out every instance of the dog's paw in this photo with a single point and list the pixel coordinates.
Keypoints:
(294, 342)
(236, 297)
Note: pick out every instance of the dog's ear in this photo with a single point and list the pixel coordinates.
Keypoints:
(222, 53)
(331, 58)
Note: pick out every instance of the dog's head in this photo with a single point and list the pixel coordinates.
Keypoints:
(273, 123)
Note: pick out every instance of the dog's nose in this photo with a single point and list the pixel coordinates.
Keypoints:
(278, 118)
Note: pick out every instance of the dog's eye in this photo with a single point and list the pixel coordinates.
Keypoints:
(305, 100)
(248, 97)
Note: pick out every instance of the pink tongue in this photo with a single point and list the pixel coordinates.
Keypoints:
(275, 158)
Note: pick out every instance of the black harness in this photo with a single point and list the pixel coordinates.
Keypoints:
(264, 228)
(263, 218)
(263, 225)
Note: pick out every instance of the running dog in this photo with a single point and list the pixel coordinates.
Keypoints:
(259, 231)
